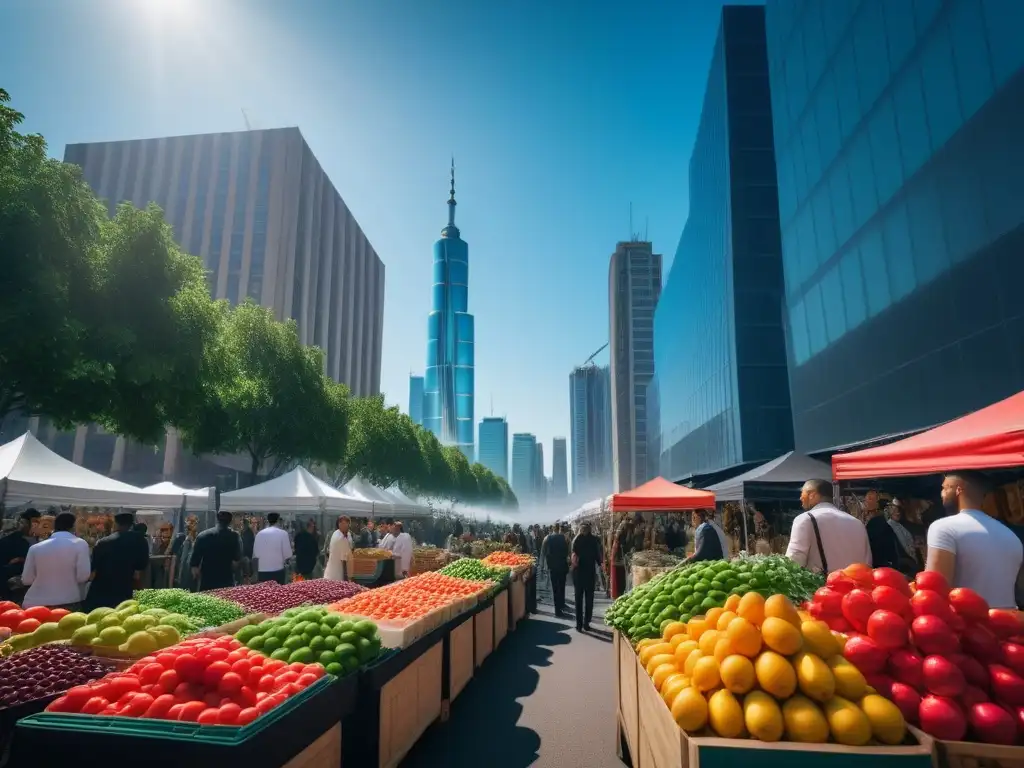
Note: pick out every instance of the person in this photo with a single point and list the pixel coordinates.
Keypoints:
(521, 541)
(271, 550)
(216, 555)
(13, 550)
(971, 548)
(160, 567)
(56, 569)
(909, 563)
(184, 544)
(118, 561)
(823, 537)
(306, 550)
(586, 558)
(885, 546)
(675, 537)
(248, 542)
(339, 552)
(368, 537)
(555, 555)
(403, 550)
(706, 543)
(387, 541)
(622, 543)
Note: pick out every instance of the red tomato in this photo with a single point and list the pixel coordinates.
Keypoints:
(267, 683)
(1005, 623)
(230, 683)
(189, 668)
(168, 680)
(273, 665)
(190, 711)
(297, 666)
(316, 670)
(932, 580)
(174, 713)
(889, 630)
(235, 656)
(77, 696)
(253, 678)
(38, 612)
(247, 715)
(56, 614)
(242, 667)
(161, 706)
(12, 618)
(209, 717)
(139, 705)
(122, 684)
(968, 603)
(829, 601)
(95, 705)
(306, 679)
(26, 626)
(890, 577)
(256, 658)
(212, 699)
(166, 659)
(892, 599)
(265, 705)
(59, 705)
(7, 605)
(858, 607)
(217, 653)
(150, 673)
(246, 696)
(228, 713)
(213, 673)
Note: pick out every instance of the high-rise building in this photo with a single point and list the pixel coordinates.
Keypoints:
(721, 393)
(524, 466)
(559, 479)
(416, 399)
(268, 223)
(590, 414)
(540, 480)
(901, 197)
(448, 384)
(492, 448)
(634, 285)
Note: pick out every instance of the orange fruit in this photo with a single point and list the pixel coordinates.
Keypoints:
(707, 642)
(723, 647)
(657, 661)
(781, 636)
(732, 603)
(672, 686)
(712, 617)
(683, 651)
(679, 639)
(690, 710)
(691, 662)
(723, 620)
(779, 607)
(663, 672)
(673, 629)
(706, 675)
(745, 637)
(751, 608)
(737, 673)
(697, 627)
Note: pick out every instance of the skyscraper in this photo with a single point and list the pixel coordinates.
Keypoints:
(416, 399)
(448, 384)
(559, 480)
(540, 481)
(524, 463)
(634, 285)
(720, 395)
(493, 445)
(590, 413)
(901, 197)
(259, 210)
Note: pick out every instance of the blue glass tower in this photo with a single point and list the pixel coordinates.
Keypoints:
(448, 385)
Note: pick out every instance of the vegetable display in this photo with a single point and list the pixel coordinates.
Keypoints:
(511, 559)
(315, 635)
(21, 622)
(406, 601)
(753, 668)
(269, 597)
(46, 671)
(698, 587)
(372, 553)
(210, 681)
(954, 667)
(205, 609)
(654, 558)
(474, 570)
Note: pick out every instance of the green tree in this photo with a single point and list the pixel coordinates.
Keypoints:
(265, 395)
(463, 482)
(382, 446)
(436, 476)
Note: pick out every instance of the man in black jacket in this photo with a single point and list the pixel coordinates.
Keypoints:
(555, 551)
(586, 557)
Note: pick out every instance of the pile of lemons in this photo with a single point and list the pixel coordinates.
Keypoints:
(757, 668)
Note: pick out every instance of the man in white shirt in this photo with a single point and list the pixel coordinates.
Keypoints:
(973, 549)
(56, 569)
(271, 550)
(388, 540)
(840, 537)
(403, 550)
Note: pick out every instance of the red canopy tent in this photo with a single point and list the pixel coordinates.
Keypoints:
(660, 494)
(991, 438)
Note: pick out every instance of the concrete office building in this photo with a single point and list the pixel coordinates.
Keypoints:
(524, 466)
(540, 481)
(634, 285)
(559, 466)
(259, 210)
(416, 399)
(590, 415)
(492, 446)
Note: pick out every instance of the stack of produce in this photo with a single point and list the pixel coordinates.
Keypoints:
(952, 666)
(698, 587)
(272, 598)
(204, 609)
(510, 559)
(15, 621)
(42, 672)
(309, 635)
(406, 601)
(210, 681)
(372, 553)
(475, 570)
(427, 557)
(754, 668)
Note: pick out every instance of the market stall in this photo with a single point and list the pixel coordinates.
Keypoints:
(660, 495)
(295, 491)
(192, 499)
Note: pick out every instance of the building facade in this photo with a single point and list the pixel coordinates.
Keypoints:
(721, 394)
(539, 479)
(449, 381)
(901, 192)
(416, 399)
(524, 467)
(492, 449)
(634, 285)
(268, 223)
(559, 468)
(590, 414)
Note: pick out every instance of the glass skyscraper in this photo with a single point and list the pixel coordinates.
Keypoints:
(590, 414)
(416, 399)
(559, 464)
(448, 384)
(524, 466)
(720, 394)
(493, 446)
(898, 134)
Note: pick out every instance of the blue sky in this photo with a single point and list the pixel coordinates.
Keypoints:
(560, 114)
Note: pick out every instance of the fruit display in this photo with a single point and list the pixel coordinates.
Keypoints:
(210, 681)
(475, 570)
(314, 635)
(372, 553)
(698, 587)
(46, 671)
(753, 668)
(654, 558)
(23, 621)
(271, 598)
(952, 666)
(511, 559)
(205, 609)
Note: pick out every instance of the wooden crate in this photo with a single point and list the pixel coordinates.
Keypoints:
(501, 611)
(325, 752)
(517, 595)
(460, 657)
(483, 628)
(364, 566)
(409, 703)
(967, 754)
(626, 685)
(663, 744)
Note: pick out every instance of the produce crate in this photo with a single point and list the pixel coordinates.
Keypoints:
(381, 573)
(969, 754)
(663, 744)
(460, 657)
(325, 752)
(628, 711)
(288, 732)
(365, 566)
(501, 616)
(483, 631)
(517, 602)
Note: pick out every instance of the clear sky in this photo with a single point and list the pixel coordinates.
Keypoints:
(559, 114)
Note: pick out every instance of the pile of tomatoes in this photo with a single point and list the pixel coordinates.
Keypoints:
(411, 599)
(28, 620)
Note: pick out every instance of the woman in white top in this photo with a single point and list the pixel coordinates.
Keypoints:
(339, 553)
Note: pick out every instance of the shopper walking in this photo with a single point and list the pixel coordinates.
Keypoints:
(307, 549)
(885, 545)
(56, 569)
(118, 561)
(272, 549)
(216, 555)
(339, 552)
(586, 557)
(555, 555)
(824, 538)
(402, 550)
(14, 548)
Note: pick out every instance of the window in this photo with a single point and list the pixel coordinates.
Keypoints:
(899, 252)
(814, 42)
(963, 213)
(827, 119)
(464, 327)
(787, 197)
(798, 333)
(464, 353)
(924, 14)
(875, 272)
(885, 146)
(199, 207)
(823, 221)
(899, 27)
(811, 151)
(1003, 20)
(930, 257)
(970, 52)
(833, 305)
(232, 295)
(790, 258)
(940, 91)
(816, 331)
(911, 121)
(872, 55)
(847, 97)
(807, 260)
(842, 206)
(852, 279)
(862, 180)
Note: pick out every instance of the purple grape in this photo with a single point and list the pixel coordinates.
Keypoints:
(46, 670)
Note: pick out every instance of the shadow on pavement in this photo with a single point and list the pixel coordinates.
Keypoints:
(483, 728)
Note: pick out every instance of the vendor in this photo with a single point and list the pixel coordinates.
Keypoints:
(707, 544)
(118, 561)
(13, 551)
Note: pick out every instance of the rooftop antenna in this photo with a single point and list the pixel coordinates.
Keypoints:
(245, 117)
(631, 218)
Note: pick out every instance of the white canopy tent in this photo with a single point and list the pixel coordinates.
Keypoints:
(403, 501)
(295, 491)
(790, 468)
(589, 510)
(384, 502)
(195, 499)
(30, 473)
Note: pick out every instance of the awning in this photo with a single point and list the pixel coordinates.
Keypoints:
(790, 468)
(992, 438)
(295, 491)
(195, 499)
(660, 494)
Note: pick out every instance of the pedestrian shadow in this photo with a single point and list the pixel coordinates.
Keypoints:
(483, 726)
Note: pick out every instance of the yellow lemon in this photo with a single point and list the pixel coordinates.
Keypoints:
(654, 650)
(690, 710)
(818, 639)
(780, 607)
(775, 675)
(762, 716)
(737, 673)
(804, 722)
(657, 661)
(745, 637)
(751, 608)
(672, 686)
(662, 673)
(850, 683)
(679, 639)
(781, 636)
(725, 715)
(706, 675)
(815, 679)
(646, 642)
(848, 724)
(673, 629)
(886, 720)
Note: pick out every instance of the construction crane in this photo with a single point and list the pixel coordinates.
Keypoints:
(598, 352)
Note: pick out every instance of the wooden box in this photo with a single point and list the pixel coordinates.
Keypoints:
(364, 566)
(483, 628)
(409, 703)
(626, 684)
(501, 615)
(968, 754)
(325, 752)
(461, 660)
(517, 595)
